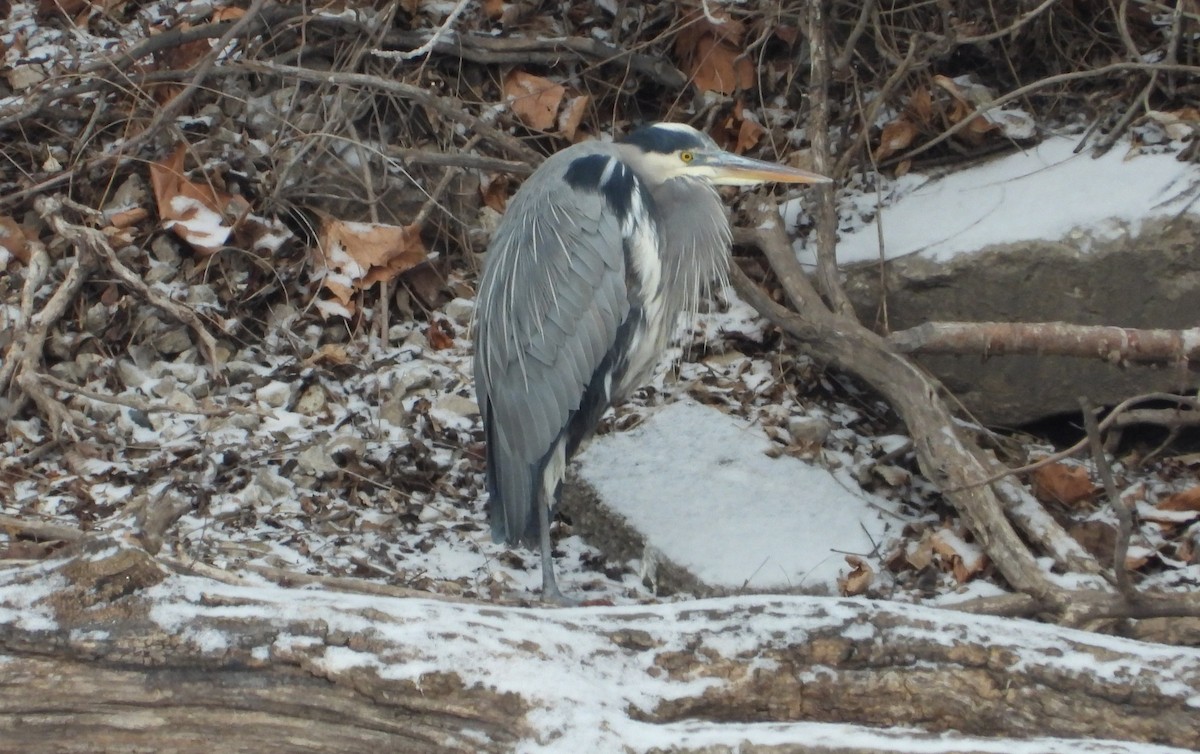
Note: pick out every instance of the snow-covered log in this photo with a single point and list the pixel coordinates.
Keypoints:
(108, 650)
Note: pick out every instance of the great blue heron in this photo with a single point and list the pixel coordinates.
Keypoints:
(597, 255)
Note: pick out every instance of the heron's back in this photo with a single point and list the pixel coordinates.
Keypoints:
(581, 291)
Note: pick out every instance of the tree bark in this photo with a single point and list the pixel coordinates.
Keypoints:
(1115, 344)
(107, 650)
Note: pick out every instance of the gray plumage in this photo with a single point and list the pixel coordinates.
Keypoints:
(597, 255)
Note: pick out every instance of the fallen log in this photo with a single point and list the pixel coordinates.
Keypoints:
(107, 650)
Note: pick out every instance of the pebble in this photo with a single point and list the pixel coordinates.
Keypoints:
(459, 311)
(312, 401)
(315, 460)
(174, 340)
(809, 430)
(275, 394)
(130, 374)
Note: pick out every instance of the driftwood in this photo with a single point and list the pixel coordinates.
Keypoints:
(108, 650)
(1116, 344)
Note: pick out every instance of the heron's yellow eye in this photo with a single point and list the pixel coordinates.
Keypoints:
(687, 157)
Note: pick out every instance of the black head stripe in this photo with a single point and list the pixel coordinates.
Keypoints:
(584, 173)
(661, 140)
(587, 174)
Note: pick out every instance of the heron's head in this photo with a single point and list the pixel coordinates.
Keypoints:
(665, 151)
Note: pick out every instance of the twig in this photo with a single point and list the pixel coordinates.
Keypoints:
(1010, 29)
(1124, 517)
(146, 407)
(860, 25)
(127, 149)
(1171, 418)
(198, 74)
(489, 50)
(818, 131)
(449, 108)
(461, 159)
(440, 33)
(25, 355)
(1104, 425)
(1062, 78)
(181, 312)
(40, 529)
(879, 100)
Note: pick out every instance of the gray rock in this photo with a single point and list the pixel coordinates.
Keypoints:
(275, 394)
(173, 340)
(459, 311)
(312, 401)
(315, 460)
(809, 430)
(1148, 280)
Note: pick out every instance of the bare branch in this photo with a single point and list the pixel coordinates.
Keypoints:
(1115, 344)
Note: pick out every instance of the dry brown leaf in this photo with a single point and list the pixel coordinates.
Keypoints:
(187, 55)
(947, 83)
(493, 9)
(717, 67)
(749, 134)
(964, 559)
(1068, 485)
(231, 13)
(787, 34)
(533, 99)
(330, 354)
(859, 579)
(1188, 500)
(129, 217)
(354, 256)
(1097, 537)
(920, 106)
(572, 115)
(13, 239)
(440, 335)
(1137, 557)
(196, 212)
(696, 25)
(920, 555)
(896, 137)
(712, 55)
(495, 191)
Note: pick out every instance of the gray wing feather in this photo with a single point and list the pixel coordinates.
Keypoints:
(550, 302)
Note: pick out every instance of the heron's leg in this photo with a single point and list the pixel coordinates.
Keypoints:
(550, 590)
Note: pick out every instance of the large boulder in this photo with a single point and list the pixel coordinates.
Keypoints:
(1148, 279)
(1049, 233)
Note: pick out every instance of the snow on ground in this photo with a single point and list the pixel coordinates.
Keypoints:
(362, 460)
(1044, 192)
(701, 488)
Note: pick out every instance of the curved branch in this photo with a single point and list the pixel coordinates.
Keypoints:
(946, 454)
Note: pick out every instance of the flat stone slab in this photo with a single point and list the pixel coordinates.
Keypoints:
(692, 493)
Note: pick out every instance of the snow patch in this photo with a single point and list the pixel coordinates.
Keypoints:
(1046, 192)
(702, 490)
